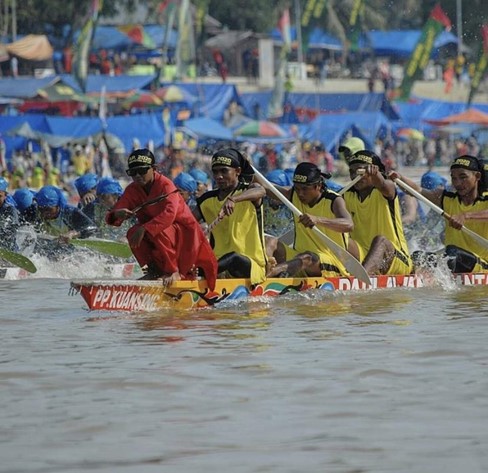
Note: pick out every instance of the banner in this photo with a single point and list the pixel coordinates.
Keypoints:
(83, 43)
(354, 30)
(419, 59)
(276, 103)
(185, 49)
(310, 18)
(481, 64)
(200, 14)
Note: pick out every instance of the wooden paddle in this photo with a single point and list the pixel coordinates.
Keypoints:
(108, 247)
(287, 237)
(351, 264)
(153, 201)
(478, 238)
(18, 260)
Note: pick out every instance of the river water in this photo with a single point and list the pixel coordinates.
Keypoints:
(385, 381)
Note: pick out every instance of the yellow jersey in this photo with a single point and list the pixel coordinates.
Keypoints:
(306, 240)
(453, 206)
(242, 232)
(376, 215)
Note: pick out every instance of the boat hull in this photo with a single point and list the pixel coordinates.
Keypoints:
(146, 296)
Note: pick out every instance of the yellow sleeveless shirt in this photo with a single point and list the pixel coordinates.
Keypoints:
(376, 215)
(306, 240)
(242, 232)
(452, 205)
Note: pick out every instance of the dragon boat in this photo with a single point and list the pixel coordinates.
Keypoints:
(146, 296)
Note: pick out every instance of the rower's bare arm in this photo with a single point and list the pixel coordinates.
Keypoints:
(286, 191)
(435, 196)
(385, 186)
(480, 215)
(254, 193)
(457, 221)
(342, 223)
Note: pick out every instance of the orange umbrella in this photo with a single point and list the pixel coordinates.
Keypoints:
(142, 100)
(471, 115)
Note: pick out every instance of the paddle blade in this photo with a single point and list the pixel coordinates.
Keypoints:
(113, 248)
(18, 260)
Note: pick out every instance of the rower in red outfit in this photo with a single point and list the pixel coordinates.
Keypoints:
(166, 238)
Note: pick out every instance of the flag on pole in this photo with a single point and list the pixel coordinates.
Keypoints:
(3, 158)
(137, 34)
(481, 64)
(419, 59)
(276, 104)
(83, 43)
(185, 49)
(354, 30)
(102, 108)
(284, 28)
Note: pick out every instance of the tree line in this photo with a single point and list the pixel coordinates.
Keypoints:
(61, 18)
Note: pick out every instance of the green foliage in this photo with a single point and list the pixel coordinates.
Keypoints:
(261, 16)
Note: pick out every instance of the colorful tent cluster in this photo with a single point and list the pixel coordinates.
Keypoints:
(199, 109)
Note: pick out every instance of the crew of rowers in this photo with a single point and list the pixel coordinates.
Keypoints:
(178, 229)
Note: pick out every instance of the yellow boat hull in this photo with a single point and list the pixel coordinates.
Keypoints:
(142, 296)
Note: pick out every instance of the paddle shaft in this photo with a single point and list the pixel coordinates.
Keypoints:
(478, 238)
(351, 263)
(352, 183)
(153, 201)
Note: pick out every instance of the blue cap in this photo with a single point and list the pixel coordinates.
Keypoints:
(23, 198)
(50, 196)
(199, 175)
(186, 182)
(278, 177)
(108, 185)
(86, 182)
(432, 180)
(3, 184)
(289, 174)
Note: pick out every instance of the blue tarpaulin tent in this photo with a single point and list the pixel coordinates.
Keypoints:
(24, 87)
(330, 128)
(392, 43)
(208, 128)
(123, 83)
(213, 99)
(322, 103)
(401, 43)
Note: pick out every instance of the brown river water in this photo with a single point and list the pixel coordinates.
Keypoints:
(383, 381)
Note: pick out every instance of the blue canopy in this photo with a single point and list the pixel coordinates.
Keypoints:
(319, 39)
(208, 128)
(322, 103)
(213, 98)
(330, 128)
(401, 43)
(24, 87)
(413, 114)
(110, 37)
(123, 83)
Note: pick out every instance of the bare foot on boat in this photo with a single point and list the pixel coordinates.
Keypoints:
(270, 266)
(167, 280)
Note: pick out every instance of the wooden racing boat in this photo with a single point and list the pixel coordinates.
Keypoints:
(142, 296)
